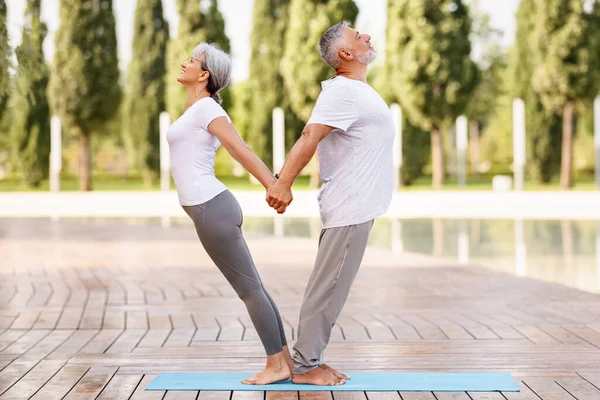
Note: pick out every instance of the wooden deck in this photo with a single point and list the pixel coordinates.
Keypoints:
(96, 310)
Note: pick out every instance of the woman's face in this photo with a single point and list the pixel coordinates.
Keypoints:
(192, 72)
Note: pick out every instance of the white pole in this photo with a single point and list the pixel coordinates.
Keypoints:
(597, 137)
(519, 143)
(397, 242)
(598, 255)
(55, 153)
(397, 147)
(461, 149)
(520, 248)
(165, 157)
(463, 243)
(278, 230)
(278, 139)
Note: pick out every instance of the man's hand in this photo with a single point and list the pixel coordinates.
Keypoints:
(279, 196)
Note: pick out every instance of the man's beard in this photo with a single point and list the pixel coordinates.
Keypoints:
(368, 57)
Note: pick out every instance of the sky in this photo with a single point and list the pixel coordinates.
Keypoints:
(238, 24)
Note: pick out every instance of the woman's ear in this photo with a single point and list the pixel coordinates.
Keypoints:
(203, 76)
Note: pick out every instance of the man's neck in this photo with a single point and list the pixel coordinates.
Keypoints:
(358, 73)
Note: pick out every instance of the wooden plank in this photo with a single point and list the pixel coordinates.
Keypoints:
(29, 384)
(155, 338)
(182, 321)
(209, 395)
(13, 372)
(589, 335)
(127, 341)
(6, 322)
(208, 328)
(561, 334)
(180, 338)
(47, 345)
(25, 320)
(70, 318)
(579, 388)
(120, 387)
(376, 329)
(536, 335)
(451, 396)
(231, 329)
(72, 345)
(102, 341)
(137, 320)
(592, 377)
(383, 395)
(349, 396)
(452, 330)
(352, 330)
(524, 393)
(254, 395)
(546, 388)
(92, 383)
(426, 329)
(486, 396)
(114, 319)
(25, 342)
(142, 394)
(315, 395)
(9, 337)
(181, 395)
(417, 396)
(47, 320)
(61, 383)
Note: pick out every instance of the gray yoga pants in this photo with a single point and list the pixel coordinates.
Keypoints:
(339, 256)
(218, 224)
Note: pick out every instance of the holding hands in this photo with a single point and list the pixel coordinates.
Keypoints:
(279, 196)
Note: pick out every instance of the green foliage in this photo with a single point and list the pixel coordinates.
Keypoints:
(196, 25)
(302, 68)
(145, 97)
(264, 89)
(30, 115)
(428, 59)
(5, 59)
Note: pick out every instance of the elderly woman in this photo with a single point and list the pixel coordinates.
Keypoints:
(193, 140)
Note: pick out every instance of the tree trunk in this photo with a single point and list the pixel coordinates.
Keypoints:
(315, 176)
(566, 167)
(474, 147)
(85, 163)
(437, 158)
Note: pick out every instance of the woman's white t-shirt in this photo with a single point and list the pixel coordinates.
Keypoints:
(192, 148)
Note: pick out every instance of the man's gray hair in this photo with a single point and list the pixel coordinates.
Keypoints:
(217, 63)
(330, 44)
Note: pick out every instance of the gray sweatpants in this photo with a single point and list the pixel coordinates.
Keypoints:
(339, 256)
(219, 226)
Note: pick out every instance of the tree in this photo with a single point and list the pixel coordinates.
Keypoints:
(196, 24)
(30, 114)
(5, 60)
(429, 66)
(145, 98)
(84, 84)
(264, 87)
(565, 50)
(302, 68)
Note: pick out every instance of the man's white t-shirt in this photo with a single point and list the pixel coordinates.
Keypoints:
(356, 157)
(192, 150)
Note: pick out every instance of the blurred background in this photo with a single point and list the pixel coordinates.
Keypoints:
(489, 96)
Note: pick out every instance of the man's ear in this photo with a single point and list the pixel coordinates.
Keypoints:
(346, 54)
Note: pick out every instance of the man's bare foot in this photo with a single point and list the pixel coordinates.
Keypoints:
(288, 357)
(334, 372)
(317, 376)
(276, 370)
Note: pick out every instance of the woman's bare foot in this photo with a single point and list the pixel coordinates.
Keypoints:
(317, 376)
(334, 372)
(276, 370)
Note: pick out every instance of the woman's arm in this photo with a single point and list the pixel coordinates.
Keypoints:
(239, 150)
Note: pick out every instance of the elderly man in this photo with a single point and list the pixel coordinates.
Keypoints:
(353, 129)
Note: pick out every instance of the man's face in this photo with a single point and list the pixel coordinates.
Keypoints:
(360, 45)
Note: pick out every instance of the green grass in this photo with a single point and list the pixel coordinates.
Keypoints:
(111, 183)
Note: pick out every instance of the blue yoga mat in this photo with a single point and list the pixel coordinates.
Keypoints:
(361, 381)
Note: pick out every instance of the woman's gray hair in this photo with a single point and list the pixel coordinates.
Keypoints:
(330, 44)
(217, 63)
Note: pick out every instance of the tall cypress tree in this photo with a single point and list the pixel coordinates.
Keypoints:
(430, 67)
(264, 87)
(543, 127)
(5, 59)
(145, 98)
(30, 116)
(84, 83)
(195, 25)
(565, 50)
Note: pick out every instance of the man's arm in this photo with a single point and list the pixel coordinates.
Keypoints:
(279, 196)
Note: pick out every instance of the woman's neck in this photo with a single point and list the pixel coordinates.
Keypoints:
(195, 93)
